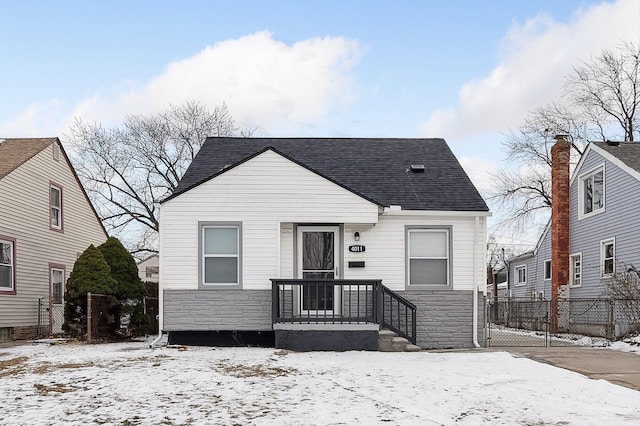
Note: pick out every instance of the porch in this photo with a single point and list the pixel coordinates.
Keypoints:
(338, 314)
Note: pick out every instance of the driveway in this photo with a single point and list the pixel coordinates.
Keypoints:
(621, 368)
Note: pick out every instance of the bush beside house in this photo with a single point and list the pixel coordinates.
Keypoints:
(107, 270)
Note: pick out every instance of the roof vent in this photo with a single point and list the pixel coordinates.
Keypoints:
(2, 141)
(612, 143)
(417, 168)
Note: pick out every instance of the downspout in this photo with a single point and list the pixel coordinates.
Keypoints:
(160, 292)
(160, 319)
(475, 282)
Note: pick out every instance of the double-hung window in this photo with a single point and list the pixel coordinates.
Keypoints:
(428, 257)
(592, 192)
(220, 258)
(576, 270)
(7, 265)
(521, 275)
(55, 203)
(607, 257)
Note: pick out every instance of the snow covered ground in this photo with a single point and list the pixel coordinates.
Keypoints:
(130, 384)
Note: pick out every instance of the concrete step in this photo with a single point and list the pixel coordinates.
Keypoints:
(412, 348)
(384, 340)
(388, 341)
(399, 343)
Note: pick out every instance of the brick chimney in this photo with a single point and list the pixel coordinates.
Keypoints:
(560, 154)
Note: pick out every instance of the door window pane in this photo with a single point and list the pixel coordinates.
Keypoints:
(317, 251)
(57, 286)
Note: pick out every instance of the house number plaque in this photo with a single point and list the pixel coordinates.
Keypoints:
(356, 249)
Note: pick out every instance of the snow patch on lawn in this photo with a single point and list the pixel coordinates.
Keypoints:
(128, 383)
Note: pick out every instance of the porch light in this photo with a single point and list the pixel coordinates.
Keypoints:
(356, 236)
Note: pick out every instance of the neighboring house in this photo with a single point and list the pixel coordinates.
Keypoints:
(148, 269)
(603, 232)
(46, 222)
(316, 243)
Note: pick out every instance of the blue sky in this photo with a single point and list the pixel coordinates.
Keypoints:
(467, 71)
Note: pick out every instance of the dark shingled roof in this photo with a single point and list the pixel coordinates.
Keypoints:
(16, 151)
(627, 152)
(376, 169)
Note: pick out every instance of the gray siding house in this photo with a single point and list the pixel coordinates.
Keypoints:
(46, 221)
(604, 227)
(317, 243)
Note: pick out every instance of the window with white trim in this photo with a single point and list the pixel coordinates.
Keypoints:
(547, 269)
(55, 202)
(592, 192)
(607, 257)
(220, 255)
(7, 265)
(521, 275)
(428, 257)
(575, 279)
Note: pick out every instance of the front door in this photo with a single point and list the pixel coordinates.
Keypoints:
(318, 260)
(57, 300)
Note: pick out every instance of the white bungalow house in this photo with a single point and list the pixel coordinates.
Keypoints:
(318, 243)
(46, 222)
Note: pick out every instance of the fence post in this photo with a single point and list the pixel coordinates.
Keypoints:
(89, 317)
(611, 331)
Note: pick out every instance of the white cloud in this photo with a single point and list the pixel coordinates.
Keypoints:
(39, 119)
(263, 81)
(536, 56)
(479, 171)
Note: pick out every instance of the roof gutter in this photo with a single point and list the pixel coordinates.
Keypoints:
(398, 211)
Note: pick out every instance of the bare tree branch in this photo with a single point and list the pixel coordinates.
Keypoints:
(128, 170)
(601, 103)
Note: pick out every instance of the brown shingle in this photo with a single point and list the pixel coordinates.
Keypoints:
(15, 152)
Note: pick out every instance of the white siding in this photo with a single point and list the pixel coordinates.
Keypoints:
(385, 249)
(261, 193)
(24, 215)
(152, 262)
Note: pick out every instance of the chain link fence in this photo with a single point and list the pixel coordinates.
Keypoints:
(526, 322)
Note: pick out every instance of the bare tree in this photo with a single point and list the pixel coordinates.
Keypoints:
(601, 102)
(128, 170)
(608, 93)
(624, 287)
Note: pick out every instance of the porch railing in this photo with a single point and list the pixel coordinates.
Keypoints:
(326, 301)
(398, 314)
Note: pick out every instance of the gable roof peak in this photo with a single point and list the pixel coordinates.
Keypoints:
(16, 151)
(378, 169)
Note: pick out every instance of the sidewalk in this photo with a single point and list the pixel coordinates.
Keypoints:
(620, 368)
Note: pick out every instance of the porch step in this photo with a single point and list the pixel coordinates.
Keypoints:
(388, 341)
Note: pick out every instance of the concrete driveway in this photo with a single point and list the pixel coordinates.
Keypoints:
(621, 368)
